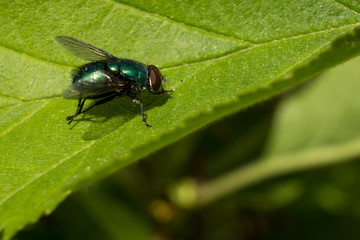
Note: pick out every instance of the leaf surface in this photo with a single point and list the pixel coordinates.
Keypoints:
(218, 58)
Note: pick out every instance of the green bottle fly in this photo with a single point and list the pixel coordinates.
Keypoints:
(108, 76)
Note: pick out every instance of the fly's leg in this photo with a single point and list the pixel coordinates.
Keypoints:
(162, 92)
(81, 105)
(78, 111)
(138, 101)
(102, 101)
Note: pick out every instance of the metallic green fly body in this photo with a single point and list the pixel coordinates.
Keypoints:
(107, 76)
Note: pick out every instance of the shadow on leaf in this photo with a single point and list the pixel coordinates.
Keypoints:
(108, 117)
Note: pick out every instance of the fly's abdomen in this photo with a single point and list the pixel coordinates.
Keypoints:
(92, 75)
(90, 81)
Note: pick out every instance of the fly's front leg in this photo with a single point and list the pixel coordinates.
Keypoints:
(78, 110)
(138, 101)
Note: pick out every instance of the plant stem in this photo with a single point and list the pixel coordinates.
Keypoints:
(275, 166)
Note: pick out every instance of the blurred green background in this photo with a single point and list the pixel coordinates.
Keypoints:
(319, 203)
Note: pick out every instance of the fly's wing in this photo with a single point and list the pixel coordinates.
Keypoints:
(83, 50)
(81, 90)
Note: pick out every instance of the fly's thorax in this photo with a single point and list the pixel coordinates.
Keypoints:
(129, 70)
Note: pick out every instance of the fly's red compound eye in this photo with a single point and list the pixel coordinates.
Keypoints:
(155, 78)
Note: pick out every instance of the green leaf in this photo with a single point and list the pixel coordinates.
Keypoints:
(324, 114)
(219, 58)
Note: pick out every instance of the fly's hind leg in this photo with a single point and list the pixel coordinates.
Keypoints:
(78, 110)
(102, 101)
(81, 105)
(138, 101)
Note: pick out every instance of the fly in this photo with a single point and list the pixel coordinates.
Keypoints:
(107, 76)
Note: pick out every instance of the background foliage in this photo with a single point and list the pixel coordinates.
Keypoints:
(219, 58)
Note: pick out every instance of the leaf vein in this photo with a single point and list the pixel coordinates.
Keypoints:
(26, 101)
(163, 17)
(346, 6)
(12, 127)
(45, 172)
(259, 45)
(34, 57)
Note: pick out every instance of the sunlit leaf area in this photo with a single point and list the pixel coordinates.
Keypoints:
(258, 139)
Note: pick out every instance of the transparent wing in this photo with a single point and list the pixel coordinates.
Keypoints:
(83, 50)
(80, 90)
